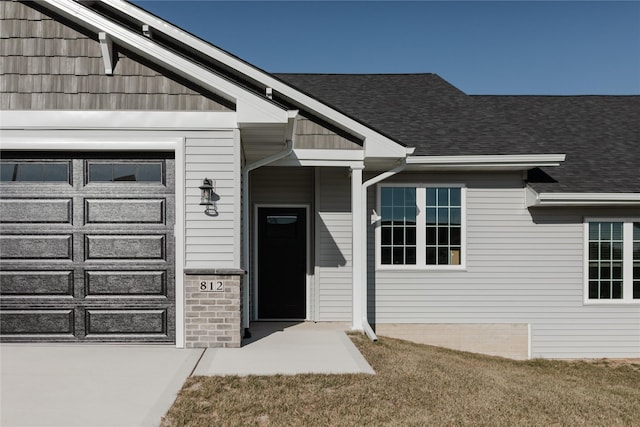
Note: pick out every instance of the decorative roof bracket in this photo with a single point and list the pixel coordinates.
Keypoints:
(147, 31)
(106, 46)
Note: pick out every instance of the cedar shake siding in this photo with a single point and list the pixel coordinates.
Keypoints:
(46, 65)
(310, 134)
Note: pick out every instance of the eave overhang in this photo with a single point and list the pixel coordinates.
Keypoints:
(485, 162)
(535, 199)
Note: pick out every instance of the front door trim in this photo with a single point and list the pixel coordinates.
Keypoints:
(255, 275)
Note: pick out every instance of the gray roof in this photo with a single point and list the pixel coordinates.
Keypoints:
(599, 134)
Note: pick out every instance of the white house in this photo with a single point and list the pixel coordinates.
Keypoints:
(506, 225)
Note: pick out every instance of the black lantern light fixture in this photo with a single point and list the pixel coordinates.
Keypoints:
(208, 197)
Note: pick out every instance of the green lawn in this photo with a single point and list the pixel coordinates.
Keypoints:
(419, 385)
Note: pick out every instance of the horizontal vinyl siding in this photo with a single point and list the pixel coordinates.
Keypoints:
(210, 242)
(334, 260)
(523, 266)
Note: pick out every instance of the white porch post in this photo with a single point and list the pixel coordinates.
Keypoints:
(358, 246)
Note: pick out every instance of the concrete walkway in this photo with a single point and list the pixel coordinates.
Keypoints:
(288, 349)
(124, 385)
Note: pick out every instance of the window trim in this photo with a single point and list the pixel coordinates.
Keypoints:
(627, 261)
(421, 198)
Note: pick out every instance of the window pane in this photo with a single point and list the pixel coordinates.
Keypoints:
(386, 196)
(443, 255)
(431, 216)
(616, 290)
(455, 236)
(411, 256)
(398, 196)
(605, 289)
(386, 235)
(100, 173)
(386, 255)
(443, 197)
(56, 172)
(594, 230)
(409, 196)
(636, 251)
(150, 172)
(398, 216)
(8, 171)
(398, 255)
(636, 231)
(398, 236)
(617, 251)
(455, 256)
(593, 270)
(443, 216)
(410, 214)
(387, 214)
(594, 251)
(456, 217)
(454, 194)
(617, 270)
(431, 256)
(431, 235)
(605, 231)
(616, 231)
(124, 172)
(636, 289)
(29, 172)
(593, 289)
(443, 236)
(431, 196)
(411, 235)
(605, 271)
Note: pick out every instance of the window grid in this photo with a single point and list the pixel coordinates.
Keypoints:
(636, 260)
(606, 260)
(398, 233)
(443, 226)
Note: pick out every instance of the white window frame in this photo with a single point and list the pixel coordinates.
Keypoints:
(627, 262)
(421, 245)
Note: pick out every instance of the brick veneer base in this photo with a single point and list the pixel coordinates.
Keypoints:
(213, 319)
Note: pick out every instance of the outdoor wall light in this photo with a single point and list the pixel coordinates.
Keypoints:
(208, 197)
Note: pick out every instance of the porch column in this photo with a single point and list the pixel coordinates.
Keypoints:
(357, 246)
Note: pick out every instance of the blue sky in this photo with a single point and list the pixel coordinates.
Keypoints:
(507, 47)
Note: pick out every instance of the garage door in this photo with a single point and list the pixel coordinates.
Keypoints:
(87, 247)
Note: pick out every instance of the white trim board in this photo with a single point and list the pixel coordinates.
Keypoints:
(121, 120)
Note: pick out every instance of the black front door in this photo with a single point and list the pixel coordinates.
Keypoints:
(282, 263)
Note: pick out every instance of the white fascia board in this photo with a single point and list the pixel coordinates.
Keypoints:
(324, 154)
(122, 120)
(583, 199)
(487, 162)
(378, 145)
(42, 140)
(250, 108)
(322, 157)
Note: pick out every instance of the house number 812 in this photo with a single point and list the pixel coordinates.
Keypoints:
(211, 286)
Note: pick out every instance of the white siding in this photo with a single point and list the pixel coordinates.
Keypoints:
(523, 266)
(334, 233)
(211, 242)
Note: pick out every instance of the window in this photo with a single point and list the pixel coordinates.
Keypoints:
(34, 172)
(125, 172)
(613, 261)
(420, 226)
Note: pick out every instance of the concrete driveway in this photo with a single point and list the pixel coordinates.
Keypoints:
(97, 385)
(135, 385)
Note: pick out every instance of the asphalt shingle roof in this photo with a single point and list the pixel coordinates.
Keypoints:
(599, 134)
